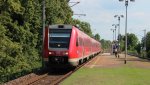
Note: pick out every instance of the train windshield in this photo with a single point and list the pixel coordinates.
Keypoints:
(59, 38)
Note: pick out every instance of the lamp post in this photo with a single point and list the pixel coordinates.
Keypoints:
(119, 17)
(144, 42)
(113, 32)
(144, 39)
(43, 22)
(126, 4)
(43, 19)
(115, 29)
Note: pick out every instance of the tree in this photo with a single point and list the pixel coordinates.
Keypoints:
(147, 41)
(83, 26)
(122, 42)
(132, 41)
(138, 48)
(21, 31)
(97, 37)
(58, 12)
(19, 25)
(148, 44)
(106, 44)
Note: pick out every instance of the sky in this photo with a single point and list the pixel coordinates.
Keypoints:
(100, 14)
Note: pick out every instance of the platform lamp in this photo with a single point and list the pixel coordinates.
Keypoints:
(115, 29)
(126, 4)
(145, 37)
(43, 23)
(119, 17)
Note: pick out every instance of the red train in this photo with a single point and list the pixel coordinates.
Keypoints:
(66, 45)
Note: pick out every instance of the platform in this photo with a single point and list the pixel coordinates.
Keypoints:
(107, 60)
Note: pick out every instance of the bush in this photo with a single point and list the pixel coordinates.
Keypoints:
(133, 52)
(143, 54)
(148, 54)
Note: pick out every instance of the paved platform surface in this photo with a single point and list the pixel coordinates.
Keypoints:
(106, 60)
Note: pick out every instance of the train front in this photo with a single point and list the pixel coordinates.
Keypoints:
(56, 45)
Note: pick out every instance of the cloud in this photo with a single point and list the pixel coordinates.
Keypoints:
(100, 14)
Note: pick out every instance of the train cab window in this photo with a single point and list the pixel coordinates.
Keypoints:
(77, 42)
(80, 41)
(59, 38)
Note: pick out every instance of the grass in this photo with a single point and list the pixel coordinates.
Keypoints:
(124, 75)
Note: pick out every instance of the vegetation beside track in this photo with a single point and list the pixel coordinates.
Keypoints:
(135, 47)
(21, 33)
(125, 75)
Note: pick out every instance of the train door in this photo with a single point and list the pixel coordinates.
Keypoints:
(83, 48)
(80, 47)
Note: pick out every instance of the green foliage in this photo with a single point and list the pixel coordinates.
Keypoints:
(138, 48)
(148, 42)
(122, 45)
(58, 12)
(84, 26)
(11, 6)
(132, 41)
(122, 42)
(106, 44)
(97, 37)
(148, 54)
(19, 24)
(133, 52)
(21, 32)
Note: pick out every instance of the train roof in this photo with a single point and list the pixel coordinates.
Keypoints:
(57, 26)
(60, 26)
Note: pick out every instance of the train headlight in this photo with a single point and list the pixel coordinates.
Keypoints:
(50, 53)
(66, 53)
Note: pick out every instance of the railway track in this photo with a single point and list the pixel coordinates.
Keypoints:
(55, 78)
(52, 77)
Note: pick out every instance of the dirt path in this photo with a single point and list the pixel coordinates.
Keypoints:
(107, 60)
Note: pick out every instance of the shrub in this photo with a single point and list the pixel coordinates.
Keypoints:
(148, 54)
